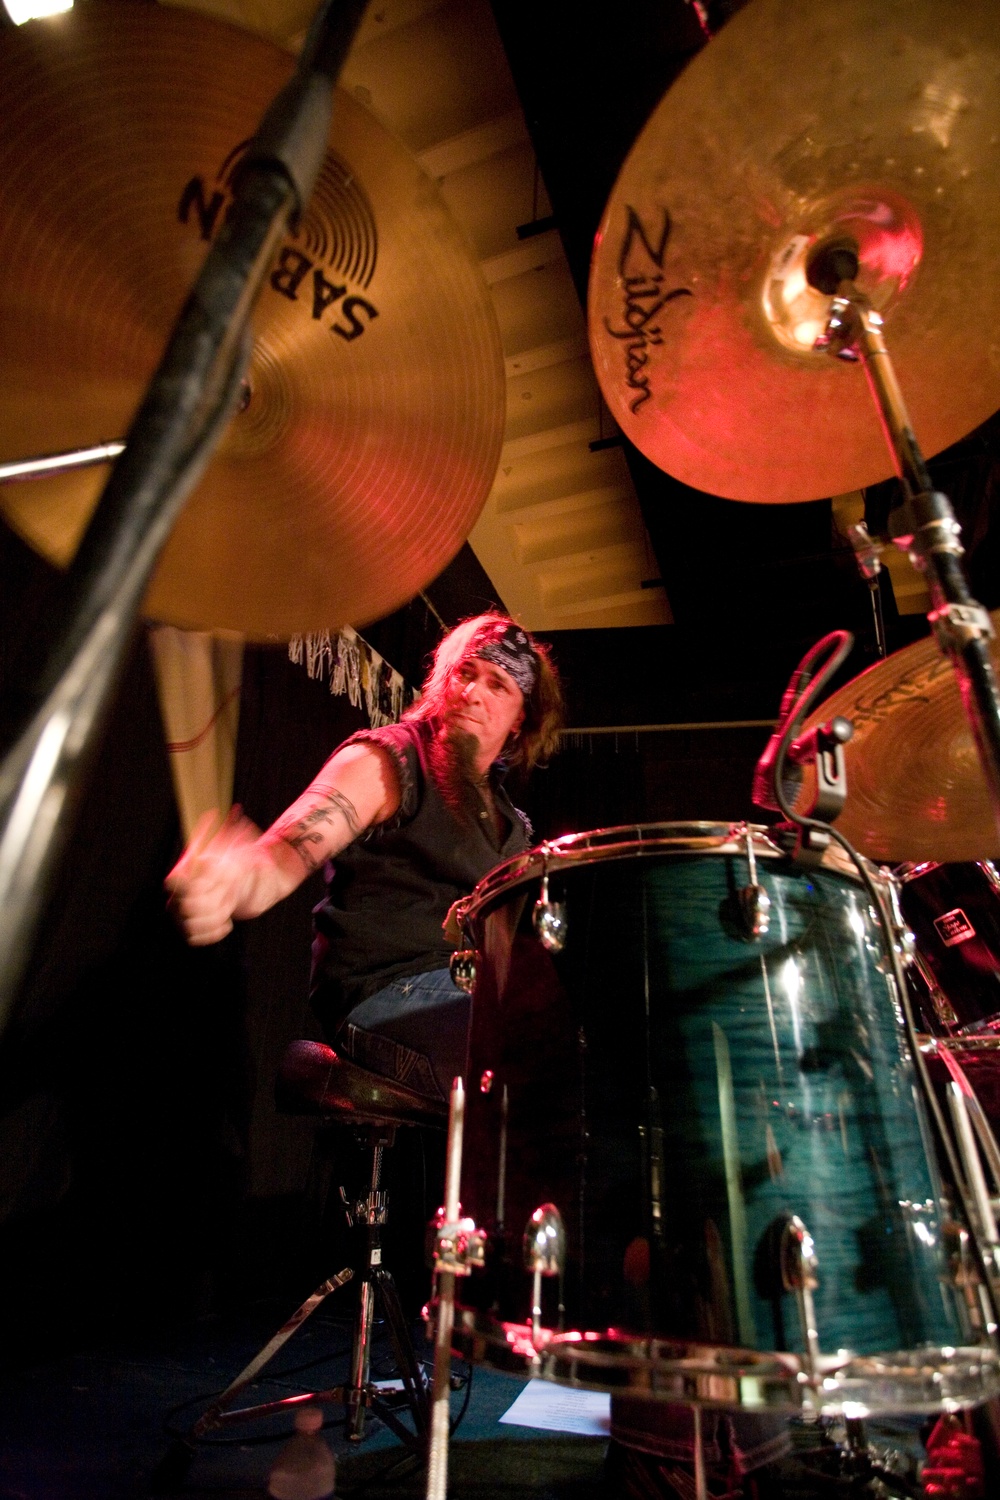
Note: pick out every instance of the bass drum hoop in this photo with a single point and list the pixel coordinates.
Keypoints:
(643, 840)
(918, 1381)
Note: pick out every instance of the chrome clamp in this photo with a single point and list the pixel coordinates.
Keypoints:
(955, 625)
(459, 1247)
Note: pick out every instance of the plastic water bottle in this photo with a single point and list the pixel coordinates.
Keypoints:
(304, 1469)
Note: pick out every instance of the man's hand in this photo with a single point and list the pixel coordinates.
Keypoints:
(214, 876)
(236, 871)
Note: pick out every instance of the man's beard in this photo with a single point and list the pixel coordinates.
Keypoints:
(453, 765)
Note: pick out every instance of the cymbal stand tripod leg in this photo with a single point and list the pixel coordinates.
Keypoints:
(926, 526)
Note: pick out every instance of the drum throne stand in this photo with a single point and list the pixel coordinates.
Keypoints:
(314, 1080)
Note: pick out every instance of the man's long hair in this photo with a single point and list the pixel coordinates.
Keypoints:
(543, 707)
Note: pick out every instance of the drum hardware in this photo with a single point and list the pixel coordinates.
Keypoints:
(975, 1136)
(904, 943)
(371, 1211)
(652, 1166)
(943, 1008)
(986, 1225)
(868, 556)
(458, 1247)
(925, 524)
(544, 1247)
(964, 1273)
(755, 903)
(799, 1274)
(549, 919)
(821, 746)
(462, 968)
(501, 1203)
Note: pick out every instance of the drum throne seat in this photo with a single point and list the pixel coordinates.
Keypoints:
(314, 1080)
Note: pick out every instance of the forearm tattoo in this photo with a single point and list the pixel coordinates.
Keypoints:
(306, 834)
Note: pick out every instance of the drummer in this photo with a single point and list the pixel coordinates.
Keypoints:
(414, 814)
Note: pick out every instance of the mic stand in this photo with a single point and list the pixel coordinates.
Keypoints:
(925, 524)
(170, 441)
(822, 748)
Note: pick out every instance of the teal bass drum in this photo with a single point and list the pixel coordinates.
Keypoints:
(728, 1125)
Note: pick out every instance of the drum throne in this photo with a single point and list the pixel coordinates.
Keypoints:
(314, 1080)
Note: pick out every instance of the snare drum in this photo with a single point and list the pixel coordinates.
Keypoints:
(727, 1123)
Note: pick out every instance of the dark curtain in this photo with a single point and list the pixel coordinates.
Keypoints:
(605, 780)
(144, 1174)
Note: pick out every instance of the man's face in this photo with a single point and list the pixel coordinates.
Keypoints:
(484, 701)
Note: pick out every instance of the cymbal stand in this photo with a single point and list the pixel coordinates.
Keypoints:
(925, 525)
(458, 1247)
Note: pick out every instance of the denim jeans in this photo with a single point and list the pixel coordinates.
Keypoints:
(414, 1031)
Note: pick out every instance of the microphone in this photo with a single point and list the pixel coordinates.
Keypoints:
(831, 651)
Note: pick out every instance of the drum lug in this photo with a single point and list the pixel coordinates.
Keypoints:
(549, 918)
(463, 969)
(799, 1268)
(754, 902)
(903, 939)
(755, 910)
(544, 1248)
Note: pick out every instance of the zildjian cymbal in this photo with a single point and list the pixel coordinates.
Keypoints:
(915, 788)
(375, 400)
(798, 124)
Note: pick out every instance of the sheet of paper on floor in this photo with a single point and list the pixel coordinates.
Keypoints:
(557, 1408)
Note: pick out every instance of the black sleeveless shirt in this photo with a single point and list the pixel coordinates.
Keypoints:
(389, 892)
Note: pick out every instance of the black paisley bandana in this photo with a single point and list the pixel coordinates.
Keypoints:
(508, 646)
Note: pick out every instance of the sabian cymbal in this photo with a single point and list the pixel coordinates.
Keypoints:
(797, 123)
(915, 788)
(376, 388)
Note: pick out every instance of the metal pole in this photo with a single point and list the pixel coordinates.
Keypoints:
(437, 1463)
(928, 529)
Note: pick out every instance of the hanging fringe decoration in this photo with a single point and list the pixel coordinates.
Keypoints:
(354, 669)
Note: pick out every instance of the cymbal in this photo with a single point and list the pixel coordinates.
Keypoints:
(915, 788)
(799, 123)
(375, 411)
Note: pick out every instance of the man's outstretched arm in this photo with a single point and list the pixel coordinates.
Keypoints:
(238, 872)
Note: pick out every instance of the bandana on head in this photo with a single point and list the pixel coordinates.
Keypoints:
(507, 645)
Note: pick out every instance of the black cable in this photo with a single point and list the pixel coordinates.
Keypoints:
(798, 697)
(465, 1404)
